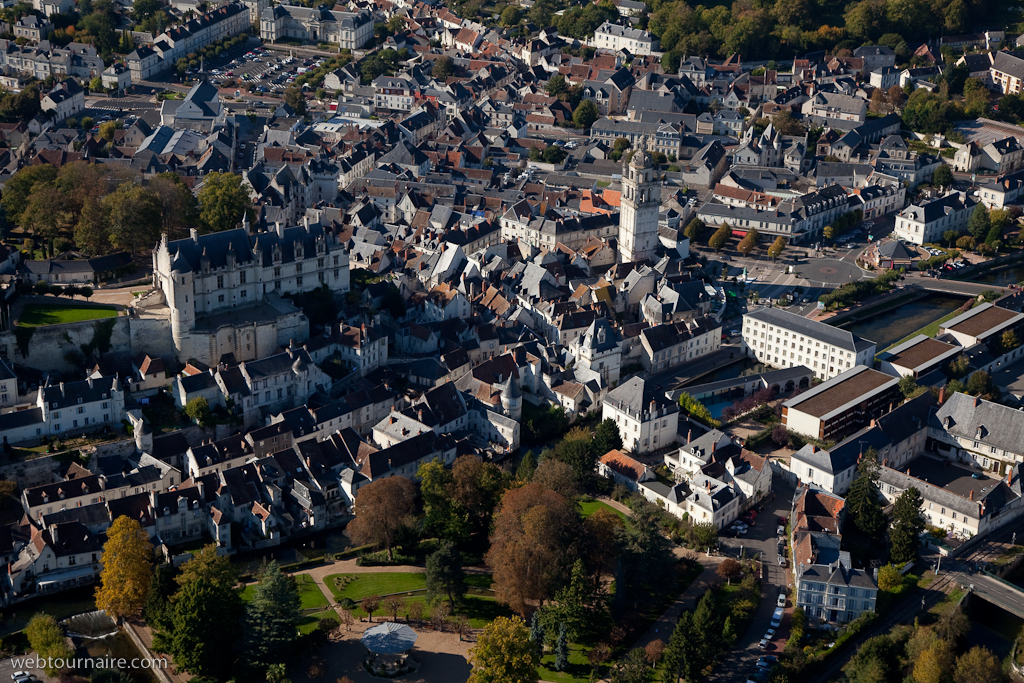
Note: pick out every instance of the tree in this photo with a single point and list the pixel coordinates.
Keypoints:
(950, 237)
(720, 237)
(644, 561)
(445, 577)
(46, 638)
(209, 565)
(980, 384)
(749, 242)
(222, 202)
(203, 628)
(934, 664)
(978, 224)
(908, 523)
(777, 247)
(1008, 341)
(562, 649)
(780, 435)
(632, 668)
(862, 499)
(444, 66)
(703, 535)
(534, 530)
(585, 115)
(510, 16)
(294, 98)
(370, 604)
(45, 215)
(654, 651)
(556, 85)
(92, 232)
(557, 476)
(126, 574)
(966, 243)
(20, 187)
(978, 665)
(943, 177)
(271, 617)
(527, 466)
(908, 385)
(381, 508)
(392, 605)
(694, 230)
(537, 630)
(180, 207)
(578, 606)
(889, 578)
(729, 569)
(133, 215)
(576, 450)
(504, 654)
(606, 437)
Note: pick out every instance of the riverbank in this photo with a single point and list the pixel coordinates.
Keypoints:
(884, 303)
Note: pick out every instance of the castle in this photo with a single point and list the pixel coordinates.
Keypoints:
(226, 290)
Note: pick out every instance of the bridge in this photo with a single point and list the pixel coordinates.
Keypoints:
(955, 286)
(994, 590)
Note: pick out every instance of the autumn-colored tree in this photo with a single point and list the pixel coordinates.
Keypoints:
(370, 604)
(504, 654)
(966, 242)
(889, 578)
(777, 247)
(392, 605)
(934, 664)
(978, 665)
(534, 528)
(748, 243)
(720, 237)
(729, 569)
(127, 572)
(601, 532)
(381, 508)
(655, 650)
(557, 476)
(208, 564)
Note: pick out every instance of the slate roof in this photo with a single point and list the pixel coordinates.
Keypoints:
(1003, 427)
(795, 323)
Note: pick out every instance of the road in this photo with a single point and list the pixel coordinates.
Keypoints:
(762, 539)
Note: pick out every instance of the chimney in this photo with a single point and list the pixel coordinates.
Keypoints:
(714, 445)
(53, 533)
(942, 395)
(976, 399)
(62, 388)
(202, 490)
(279, 229)
(689, 433)
(419, 414)
(971, 496)
(1009, 476)
(872, 423)
(195, 235)
(707, 483)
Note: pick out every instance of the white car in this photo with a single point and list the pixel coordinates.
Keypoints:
(20, 674)
(781, 531)
(763, 645)
(781, 602)
(769, 634)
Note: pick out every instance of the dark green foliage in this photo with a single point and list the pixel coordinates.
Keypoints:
(271, 618)
(606, 437)
(978, 224)
(537, 630)
(862, 500)
(318, 305)
(908, 523)
(527, 466)
(204, 628)
(445, 576)
(645, 558)
(562, 649)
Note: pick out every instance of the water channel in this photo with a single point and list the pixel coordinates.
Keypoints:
(889, 327)
(1007, 276)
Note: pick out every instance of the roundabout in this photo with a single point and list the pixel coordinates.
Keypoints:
(823, 272)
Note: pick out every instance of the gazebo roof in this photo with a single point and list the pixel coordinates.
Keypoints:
(389, 638)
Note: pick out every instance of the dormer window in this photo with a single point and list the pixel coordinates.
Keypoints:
(79, 400)
(979, 432)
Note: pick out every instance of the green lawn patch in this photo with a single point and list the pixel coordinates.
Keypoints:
(595, 505)
(358, 586)
(248, 592)
(309, 593)
(38, 315)
(480, 610)
(578, 670)
(308, 623)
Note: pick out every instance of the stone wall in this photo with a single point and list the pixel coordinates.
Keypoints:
(152, 336)
(58, 348)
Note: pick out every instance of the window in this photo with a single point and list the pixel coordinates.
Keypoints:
(56, 414)
(277, 271)
(220, 281)
(220, 298)
(298, 281)
(241, 277)
(104, 405)
(298, 267)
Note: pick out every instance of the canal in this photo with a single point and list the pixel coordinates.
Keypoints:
(887, 328)
(1004, 277)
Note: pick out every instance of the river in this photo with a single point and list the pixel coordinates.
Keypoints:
(1007, 276)
(891, 326)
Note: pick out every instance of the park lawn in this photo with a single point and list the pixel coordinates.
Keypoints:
(247, 593)
(479, 609)
(578, 670)
(308, 623)
(310, 594)
(384, 583)
(38, 315)
(595, 505)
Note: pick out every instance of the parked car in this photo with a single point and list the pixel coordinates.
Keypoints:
(763, 645)
(781, 602)
(781, 531)
(770, 660)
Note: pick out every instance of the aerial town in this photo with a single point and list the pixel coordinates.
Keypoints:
(511, 341)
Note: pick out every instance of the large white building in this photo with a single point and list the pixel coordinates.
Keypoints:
(926, 221)
(225, 289)
(348, 30)
(638, 210)
(785, 340)
(609, 36)
(647, 419)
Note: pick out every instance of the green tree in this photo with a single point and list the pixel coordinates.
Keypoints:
(180, 207)
(510, 16)
(980, 384)
(721, 236)
(908, 523)
(966, 243)
(606, 437)
(644, 560)
(562, 649)
(444, 66)
(107, 130)
(978, 224)
(1008, 341)
(445, 576)
(889, 578)
(556, 86)
(537, 630)
(943, 176)
(585, 115)
(527, 466)
(633, 668)
(935, 663)
(296, 99)
(577, 607)
(576, 451)
(908, 386)
(126, 574)
(222, 202)
(445, 517)
(208, 564)
(271, 618)
(19, 188)
(203, 628)
(198, 410)
(694, 230)
(950, 237)
(46, 638)
(504, 654)
(133, 215)
(682, 658)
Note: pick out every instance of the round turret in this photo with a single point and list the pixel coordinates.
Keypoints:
(641, 160)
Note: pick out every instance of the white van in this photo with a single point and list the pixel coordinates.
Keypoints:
(777, 617)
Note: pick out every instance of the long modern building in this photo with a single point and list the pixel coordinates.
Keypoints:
(843, 404)
(785, 340)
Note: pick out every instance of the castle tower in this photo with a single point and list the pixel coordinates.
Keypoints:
(638, 209)
(181, 301)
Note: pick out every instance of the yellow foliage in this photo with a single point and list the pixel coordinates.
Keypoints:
(126, 574)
